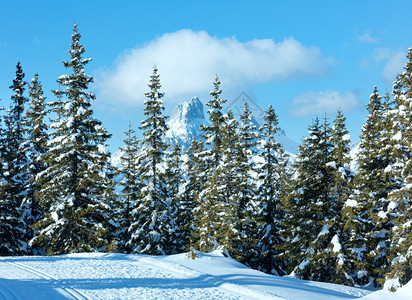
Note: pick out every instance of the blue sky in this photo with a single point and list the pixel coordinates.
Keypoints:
(306, 58)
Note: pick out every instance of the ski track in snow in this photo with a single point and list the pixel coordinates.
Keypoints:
(120, 276)
(238, 290)
(67, 291)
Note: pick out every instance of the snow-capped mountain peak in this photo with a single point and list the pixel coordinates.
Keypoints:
(188, 111)
(185, 122)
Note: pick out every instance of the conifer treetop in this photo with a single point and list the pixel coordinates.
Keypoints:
(78, 80)
(154, 85)
(271, 119)
(154, 126)
(216, 104)
(18, 100)
(18, 83)
(216, 84)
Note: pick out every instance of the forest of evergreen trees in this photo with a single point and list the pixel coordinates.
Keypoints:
(235, 188)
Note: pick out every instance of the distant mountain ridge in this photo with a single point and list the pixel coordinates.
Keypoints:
(186, 120)
(185, 123)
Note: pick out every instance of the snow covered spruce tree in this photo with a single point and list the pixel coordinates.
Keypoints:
(152, 223)
(230, 207)
(267, 210)
(400, 199)
(4, 203)
(246, 180)
(130, 185)
(195, 180)
(311, 208)
(76, 188)
(368, 239)
(180, 207)
(14, 231)
(340, 191)
(382, 210)
(207, 215)
(36, 147)
(371, 228)
(5, 207)
(313, 227)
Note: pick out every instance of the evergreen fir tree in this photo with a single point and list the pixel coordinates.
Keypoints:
(340, 191)
(76, 188)
(310, 208)
(5, 211)
(36, 145)
(151, 222)
(400, 203)
(230, 222)
(14, 232)
(180, 208)
(209, 200)
(268, 211)
(195, 180)
(382, 211)
(128, 171)
(246, 173)
(363, 213)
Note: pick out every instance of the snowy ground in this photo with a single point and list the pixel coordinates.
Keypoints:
(118, 276)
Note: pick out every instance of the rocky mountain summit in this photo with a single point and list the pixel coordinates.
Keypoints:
(186, 120)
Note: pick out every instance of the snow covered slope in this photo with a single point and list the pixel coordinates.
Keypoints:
(119, 276)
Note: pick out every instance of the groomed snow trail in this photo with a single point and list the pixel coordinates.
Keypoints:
(18, 281)
(119, 276)
(73, 294)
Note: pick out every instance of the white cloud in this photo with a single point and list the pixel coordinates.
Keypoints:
(329, 101)
(367, 37)
(188, 61)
